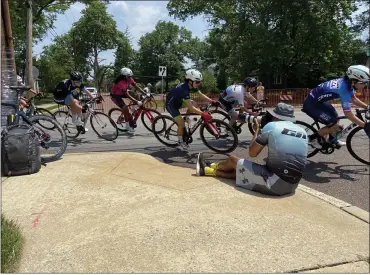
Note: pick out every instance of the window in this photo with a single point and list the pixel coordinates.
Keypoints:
(278, 79)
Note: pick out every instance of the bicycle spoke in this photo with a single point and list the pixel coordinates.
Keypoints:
(103, 126)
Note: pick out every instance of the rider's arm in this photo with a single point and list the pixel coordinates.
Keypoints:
(355, 100)
(244, 109)
(346, 98)
(203, 96)
(191, 108)
(250, 98)
(83, 89)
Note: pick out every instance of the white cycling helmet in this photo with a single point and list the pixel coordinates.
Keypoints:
(126, 71)
(193, 75)
(358, 72)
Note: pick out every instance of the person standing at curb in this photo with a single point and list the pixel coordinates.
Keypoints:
(287, 154)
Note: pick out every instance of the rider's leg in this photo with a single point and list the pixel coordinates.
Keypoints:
(118, 100)
(175, 113)
(233, 116)
(76, 109)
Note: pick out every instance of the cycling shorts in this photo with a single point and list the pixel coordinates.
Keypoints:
(118, 100)
(323, 112)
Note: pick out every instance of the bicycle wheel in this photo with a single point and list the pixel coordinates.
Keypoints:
(310, 131)
(103, 123)
(358, 145)
(149, 115)
(65, 120)
(226, 137)
(49, 139)
(116, 115)
(220, 115)
(43, 112)
(152, 104)
(164, 129)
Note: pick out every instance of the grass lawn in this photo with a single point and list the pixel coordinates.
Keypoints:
(11, 245)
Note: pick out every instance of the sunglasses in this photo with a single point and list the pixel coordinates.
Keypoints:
(362, 82)
(197, 82)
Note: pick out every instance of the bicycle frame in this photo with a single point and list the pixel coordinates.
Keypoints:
(350, 127)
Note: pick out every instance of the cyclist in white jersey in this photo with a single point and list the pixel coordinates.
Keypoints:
(287, 155)
(235, 96)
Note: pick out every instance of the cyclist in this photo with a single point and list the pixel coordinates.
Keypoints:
(179, 97)
(119, 92)
(67, 93)
(236, 96)
(148, 88)
(315, 104)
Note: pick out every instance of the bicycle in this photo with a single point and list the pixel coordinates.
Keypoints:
(32, 109)
(352, 129)
(212, 127)
(116, 114)
(256, 108)
(45, 139)
(96, 119)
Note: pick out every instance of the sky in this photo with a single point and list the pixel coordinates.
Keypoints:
(139, 16)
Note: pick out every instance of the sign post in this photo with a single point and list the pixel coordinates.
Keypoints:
(162, 71)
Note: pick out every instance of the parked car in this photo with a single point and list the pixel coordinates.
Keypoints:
(92, 90)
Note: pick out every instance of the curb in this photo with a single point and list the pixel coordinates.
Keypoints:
(345, 206)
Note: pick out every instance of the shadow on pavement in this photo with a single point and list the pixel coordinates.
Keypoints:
(330, 171)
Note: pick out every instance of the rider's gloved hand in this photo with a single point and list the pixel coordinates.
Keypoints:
(367, 128)
(148, 94)
(206, 116)
(139, 103)
(215, 103)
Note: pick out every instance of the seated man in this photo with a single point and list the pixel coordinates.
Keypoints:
(287, 153)
(236, 96)
(179, 97)
(67, 93)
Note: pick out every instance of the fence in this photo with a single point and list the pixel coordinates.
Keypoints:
(293, 97)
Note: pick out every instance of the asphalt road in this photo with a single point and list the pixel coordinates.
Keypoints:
(338, 174)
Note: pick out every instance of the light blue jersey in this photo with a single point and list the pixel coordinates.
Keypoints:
(287, 149)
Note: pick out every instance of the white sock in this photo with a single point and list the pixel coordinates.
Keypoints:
(74, 118)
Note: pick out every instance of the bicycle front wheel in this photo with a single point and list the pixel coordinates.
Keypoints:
(104, 126)
(218, 136)
(358, 145)
(117, 116)
(52, 138)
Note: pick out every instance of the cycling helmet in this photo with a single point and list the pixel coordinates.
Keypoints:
(250, 82)
(126, 72)
(193, 75)
(76, 76)
(358, 72)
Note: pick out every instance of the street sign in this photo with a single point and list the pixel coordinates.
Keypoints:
(162, 71)
(35, 73)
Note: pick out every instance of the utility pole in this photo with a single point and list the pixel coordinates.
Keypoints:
(28, 78)
(8, 35)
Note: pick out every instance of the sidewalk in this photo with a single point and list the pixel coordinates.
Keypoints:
(130, 213)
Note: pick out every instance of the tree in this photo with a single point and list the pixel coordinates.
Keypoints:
(208, 83)
(276, 37)
(125, 54)
(166, 45)
(93, 33)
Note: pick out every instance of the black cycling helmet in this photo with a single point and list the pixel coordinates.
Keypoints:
(250, 82)
(76, 76)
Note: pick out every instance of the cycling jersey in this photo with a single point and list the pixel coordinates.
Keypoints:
(121, 87)
(176, 98)
(287, 149)
(234, 94)
(65, 90)
(333, 89)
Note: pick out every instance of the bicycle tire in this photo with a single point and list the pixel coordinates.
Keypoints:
(65, 114)
(121, 129)
(43, 112)
(115, 134)
(142, 117)
(314, 152)
(152, 104)
(156, 133)
(235, 135)
(61, 131)
(349, 145)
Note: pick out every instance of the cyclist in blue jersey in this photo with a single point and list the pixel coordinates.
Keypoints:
(179, 97)
(315, 104)
(287, 155)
